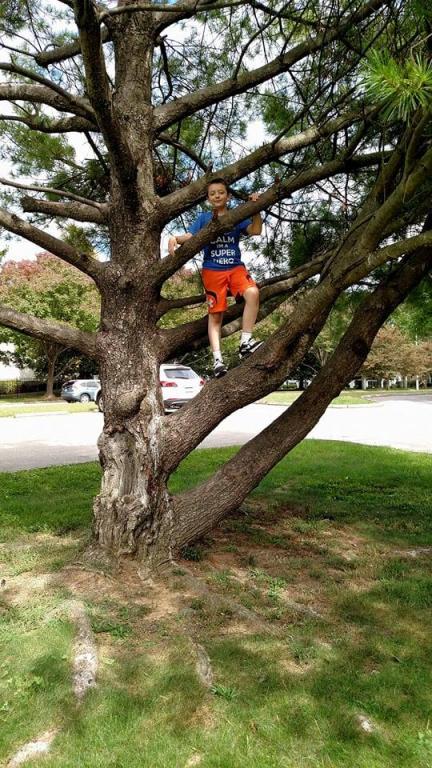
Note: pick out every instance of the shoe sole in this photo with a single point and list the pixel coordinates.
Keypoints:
(252, 351)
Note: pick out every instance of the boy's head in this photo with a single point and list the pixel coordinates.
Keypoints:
(218, 193)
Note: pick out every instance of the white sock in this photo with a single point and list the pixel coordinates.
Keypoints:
(245, 337)
(217, 356)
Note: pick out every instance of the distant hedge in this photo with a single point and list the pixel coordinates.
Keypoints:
(17, 387)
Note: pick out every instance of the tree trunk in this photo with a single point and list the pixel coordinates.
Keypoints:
(132, 514)
(52, 352)
(132, 511)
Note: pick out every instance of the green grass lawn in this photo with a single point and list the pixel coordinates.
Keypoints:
(329, 560)
(347, 397)
(18, 405)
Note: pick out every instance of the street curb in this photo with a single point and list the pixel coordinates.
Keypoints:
(286, 405)
(30, 415)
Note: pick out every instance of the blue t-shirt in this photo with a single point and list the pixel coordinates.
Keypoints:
(224, 251)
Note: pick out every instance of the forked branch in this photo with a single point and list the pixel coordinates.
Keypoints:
(275, 193)
(181, 338)
(199, 510)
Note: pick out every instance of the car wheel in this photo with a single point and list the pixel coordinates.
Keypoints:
(84, 398)
(99, 403)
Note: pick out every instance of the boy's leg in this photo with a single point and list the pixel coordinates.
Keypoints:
(242, 283)
(216, 285)
(214, 334)
(251, 307)
(214, 330)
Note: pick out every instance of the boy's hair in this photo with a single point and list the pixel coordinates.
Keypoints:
(219, 180)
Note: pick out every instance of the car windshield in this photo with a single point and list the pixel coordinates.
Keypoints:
(69, 383)
(179, 373)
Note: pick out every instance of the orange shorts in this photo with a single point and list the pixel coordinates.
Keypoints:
(219, 283)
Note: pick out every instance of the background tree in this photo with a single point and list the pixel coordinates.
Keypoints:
(161, 96)
(48, 288)
(394, 355)
(390, 356)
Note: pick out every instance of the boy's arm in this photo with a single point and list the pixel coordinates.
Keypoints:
(175, 240)
(255, 228)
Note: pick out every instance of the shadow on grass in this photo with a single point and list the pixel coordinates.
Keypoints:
(322, 556)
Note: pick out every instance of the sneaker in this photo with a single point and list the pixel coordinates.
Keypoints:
(249, 347)
(219, 369)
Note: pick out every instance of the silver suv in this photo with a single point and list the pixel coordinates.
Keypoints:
(179, 383)
(80, 390)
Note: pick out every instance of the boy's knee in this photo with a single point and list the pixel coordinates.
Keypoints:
(252, 293)
(215, 318)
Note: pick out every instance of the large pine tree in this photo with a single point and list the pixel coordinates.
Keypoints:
(168, 96)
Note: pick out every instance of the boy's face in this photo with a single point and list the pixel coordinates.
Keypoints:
(217, 195)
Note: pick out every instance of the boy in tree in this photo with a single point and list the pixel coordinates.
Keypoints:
(223, 272)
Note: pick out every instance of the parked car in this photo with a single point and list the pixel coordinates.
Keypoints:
(179, 384)
(80, 390)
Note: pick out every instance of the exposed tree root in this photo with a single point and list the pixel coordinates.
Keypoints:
(85, 664)
(85, 655)
(365, 724)
(194, 759)
(416, 552)
(203, 666)
(34, 749)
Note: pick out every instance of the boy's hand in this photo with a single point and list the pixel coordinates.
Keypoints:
(172, 245)
(255, 227)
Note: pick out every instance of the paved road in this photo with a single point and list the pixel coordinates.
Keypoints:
(44, 440)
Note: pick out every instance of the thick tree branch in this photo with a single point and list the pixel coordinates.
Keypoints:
(406, 189)
(374, 220)
(179, 201)
(74, 210)
(389, 252)
(78, 104)
(231, 484)
(48, 125)
(182, 10)
(279, 191)
(81, 261)
(99, 89)
(50, 330)
(40, 94)
(184, 106)
(193, 335)
(166, 305)
(175, 12)
(63, 52)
